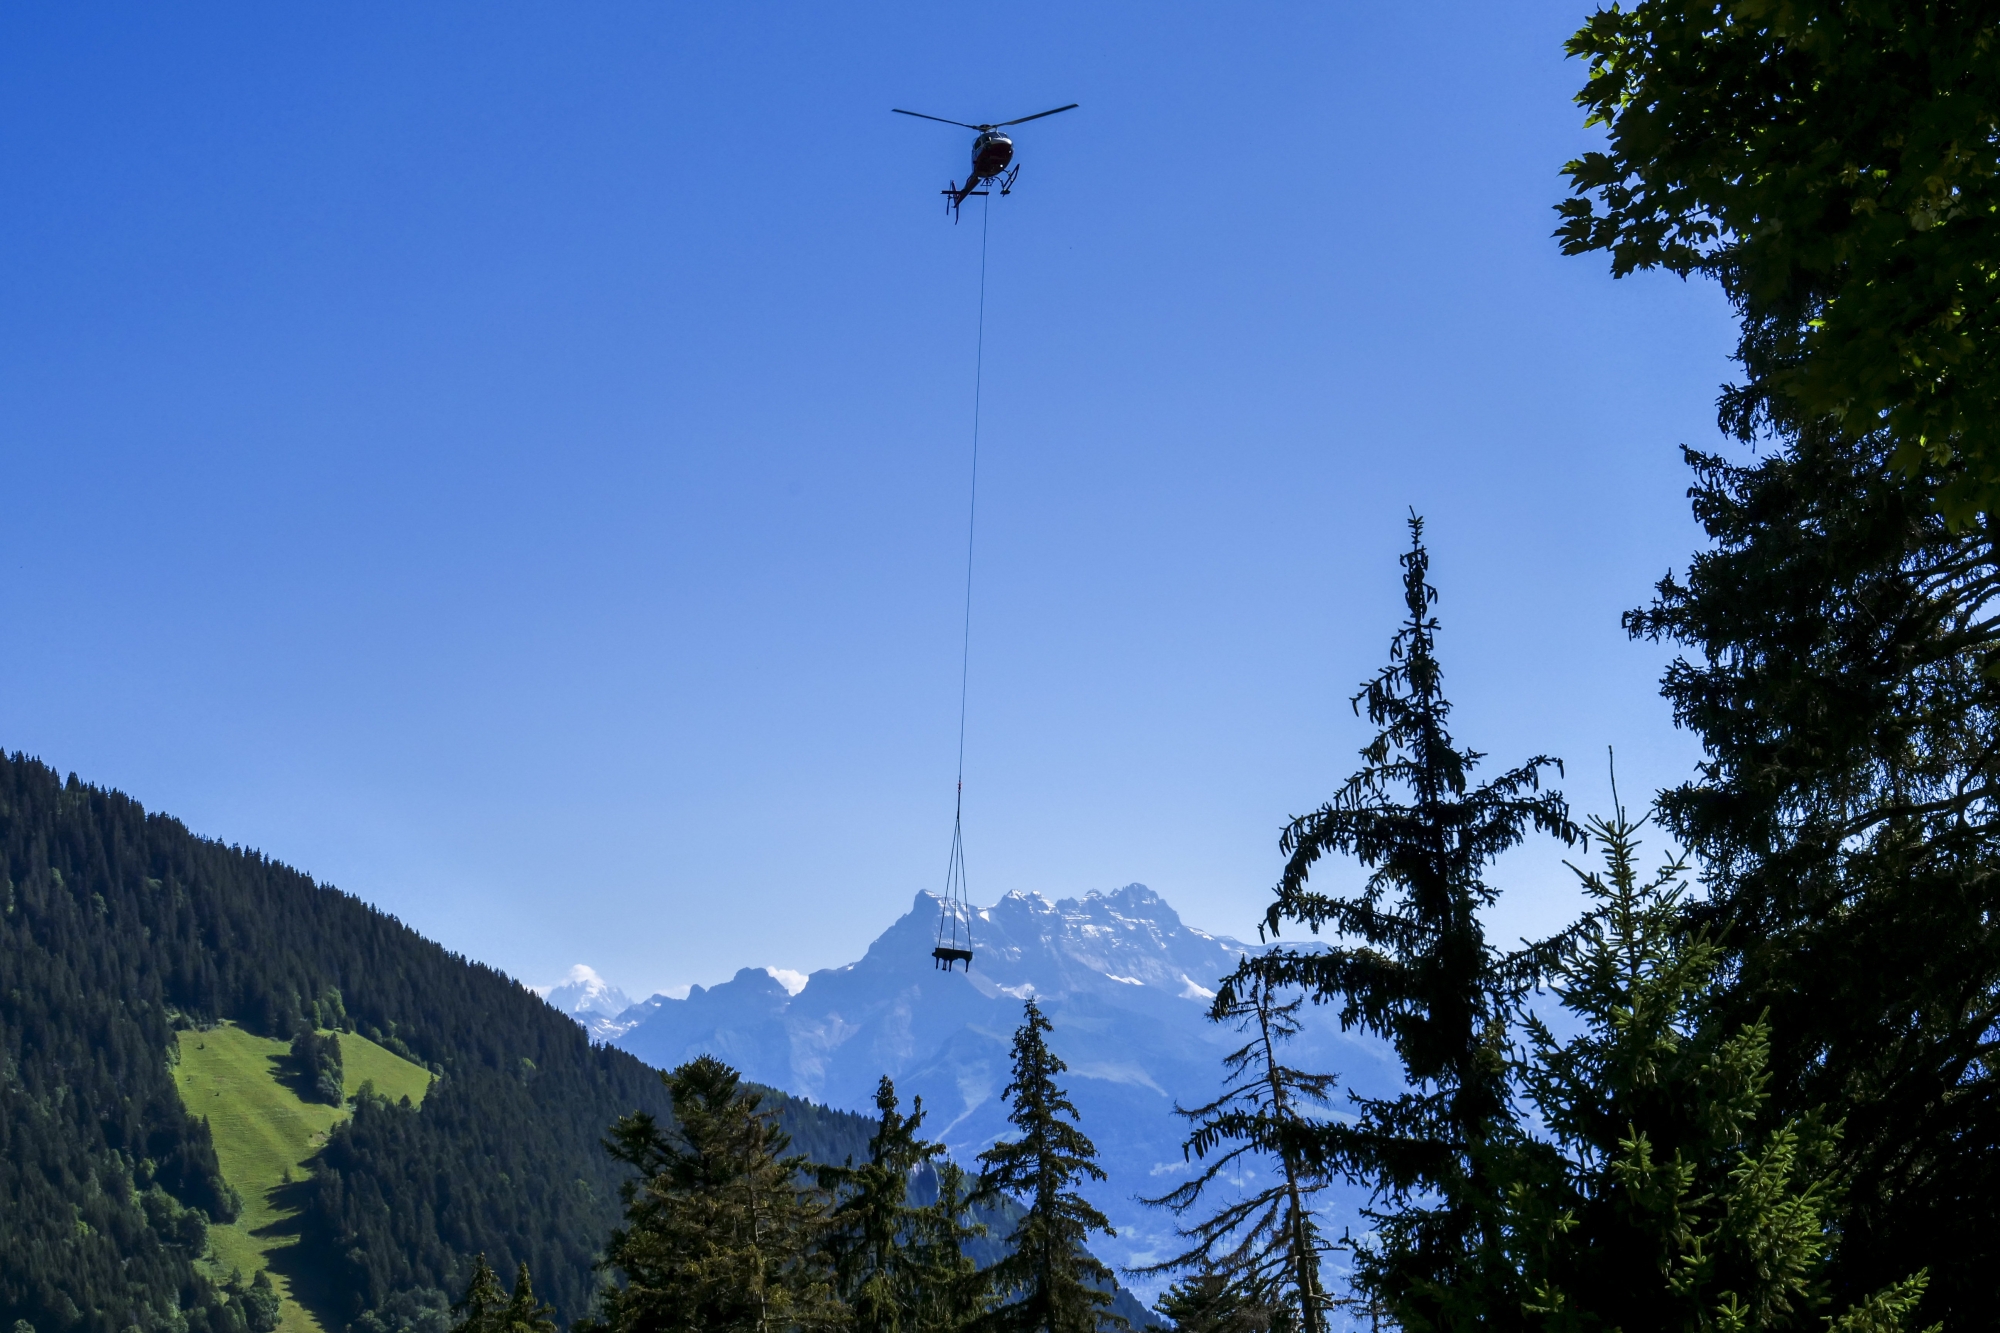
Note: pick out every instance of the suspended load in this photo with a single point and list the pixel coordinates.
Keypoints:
(954, 937)
(992, 164)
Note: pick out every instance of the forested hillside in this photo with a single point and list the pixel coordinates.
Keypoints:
(118, 927)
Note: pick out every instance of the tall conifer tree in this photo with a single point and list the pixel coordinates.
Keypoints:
(1660, 1198)
(482, 1302)
(1257, 1254)
(900, 1268)
(1839, 667)
(1832, 165)
(721, 1233)
(1050, 1282)
(525, 1312)
(1411, 964)
(947, 1291)
(484, 1309)
(1209, 1301)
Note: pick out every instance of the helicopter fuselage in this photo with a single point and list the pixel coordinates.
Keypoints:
(991, 152)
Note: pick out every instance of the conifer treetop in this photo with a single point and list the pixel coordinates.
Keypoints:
(1050, 1283)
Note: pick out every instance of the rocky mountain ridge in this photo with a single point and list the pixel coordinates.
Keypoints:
(1125, 982)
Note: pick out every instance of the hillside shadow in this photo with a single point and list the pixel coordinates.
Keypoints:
(310, 1280)
(293, 1076)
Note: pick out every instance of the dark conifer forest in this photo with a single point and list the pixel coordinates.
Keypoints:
(118, 927)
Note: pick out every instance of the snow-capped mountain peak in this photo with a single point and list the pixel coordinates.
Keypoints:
(1125, 982)
(589, 999)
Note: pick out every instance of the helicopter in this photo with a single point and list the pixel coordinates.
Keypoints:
(992, 155)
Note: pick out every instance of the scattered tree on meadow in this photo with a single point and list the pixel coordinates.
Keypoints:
(262, 1307)
(721, 1229)
(316, 1056)
(1256, 1258)
(1411, 964)
(1656, 1197)
(898, 1267)
(1049, 1283)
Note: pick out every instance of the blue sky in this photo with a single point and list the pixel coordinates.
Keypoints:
(510, 460)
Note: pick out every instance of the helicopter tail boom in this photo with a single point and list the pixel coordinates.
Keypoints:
(955, 194)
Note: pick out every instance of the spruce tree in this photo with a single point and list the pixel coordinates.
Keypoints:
(1257, 1254)
(898, 1267)
(1838, 665)
(945, 1290)
(1831, 164)
(524, 1312)
(721, 1231)
(1214, 1302)
(1411, 965)
(480, 1308)
(1659, 1197)
(1049, 1282)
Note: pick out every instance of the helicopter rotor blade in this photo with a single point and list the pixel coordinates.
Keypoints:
(1037, 116)
(940, 119)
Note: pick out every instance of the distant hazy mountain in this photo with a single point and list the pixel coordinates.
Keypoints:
(1125, 983)
(590, 1000)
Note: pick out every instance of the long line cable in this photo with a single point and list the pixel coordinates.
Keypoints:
(955, 870)
(972, 504)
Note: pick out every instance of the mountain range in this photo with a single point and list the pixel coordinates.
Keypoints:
(1124, 981)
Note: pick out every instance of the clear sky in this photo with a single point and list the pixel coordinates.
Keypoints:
(510, 460)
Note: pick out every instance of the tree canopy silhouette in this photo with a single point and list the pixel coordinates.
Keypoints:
(1050, 1282)
(1410, 963)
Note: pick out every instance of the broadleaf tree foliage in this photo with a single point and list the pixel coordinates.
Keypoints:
(1049, 1282)
(1254, 1259)
(1835, 165)
(1658, 1193)
(1410, 963)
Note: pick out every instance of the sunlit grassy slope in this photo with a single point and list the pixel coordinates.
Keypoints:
(264, 1135)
